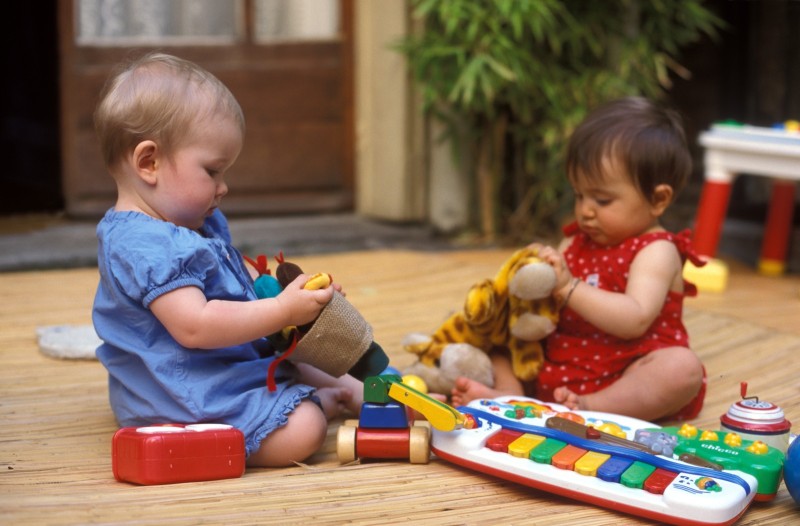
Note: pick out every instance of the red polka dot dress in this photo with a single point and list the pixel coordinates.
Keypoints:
(585, 359)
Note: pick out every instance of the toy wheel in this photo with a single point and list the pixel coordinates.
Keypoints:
(419, 445)
(346, 441)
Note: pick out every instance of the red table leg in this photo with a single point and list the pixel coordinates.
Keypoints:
(777, 229)
(710, 217)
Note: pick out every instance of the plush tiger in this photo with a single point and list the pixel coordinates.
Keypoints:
(513, 311)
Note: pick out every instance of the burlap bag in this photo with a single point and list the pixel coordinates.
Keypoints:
(337, 340)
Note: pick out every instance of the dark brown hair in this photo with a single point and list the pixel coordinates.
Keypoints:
(646, 139)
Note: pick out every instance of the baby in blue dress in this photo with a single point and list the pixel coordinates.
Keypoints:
(182, 328)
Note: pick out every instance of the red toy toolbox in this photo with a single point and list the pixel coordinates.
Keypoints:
(166, 454)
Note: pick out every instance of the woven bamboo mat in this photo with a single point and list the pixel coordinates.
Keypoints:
(55, 438)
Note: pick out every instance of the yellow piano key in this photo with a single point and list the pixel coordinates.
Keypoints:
(588, 463)
(522, 446)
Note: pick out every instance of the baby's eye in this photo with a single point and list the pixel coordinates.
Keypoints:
(602, 201)
(212, 172)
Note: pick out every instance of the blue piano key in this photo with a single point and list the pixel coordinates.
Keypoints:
(611, 469)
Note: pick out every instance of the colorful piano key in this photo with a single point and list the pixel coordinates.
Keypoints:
(589, 463)
(500, 441)
(567, 456)
(635, 475)
(522, 446)
(613, 469)
(659, 480)
(545, 452)
(631, 474)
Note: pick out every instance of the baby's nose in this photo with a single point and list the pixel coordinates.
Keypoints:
(585, 209)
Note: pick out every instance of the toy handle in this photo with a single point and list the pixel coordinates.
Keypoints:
(743, 389)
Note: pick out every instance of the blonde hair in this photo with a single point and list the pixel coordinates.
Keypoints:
(158, 97)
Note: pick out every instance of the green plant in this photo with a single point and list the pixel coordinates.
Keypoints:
(510, 79)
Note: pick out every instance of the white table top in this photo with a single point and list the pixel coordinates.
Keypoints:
(752, 150)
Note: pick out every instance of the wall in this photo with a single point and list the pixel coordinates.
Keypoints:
(390, 163)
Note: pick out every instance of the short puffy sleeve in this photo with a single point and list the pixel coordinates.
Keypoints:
(152, 258)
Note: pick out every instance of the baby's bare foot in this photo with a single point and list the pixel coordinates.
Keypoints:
(466, 390)
(564, 396)
(334, 400)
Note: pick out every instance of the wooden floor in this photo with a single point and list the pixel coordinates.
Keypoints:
(55, 438)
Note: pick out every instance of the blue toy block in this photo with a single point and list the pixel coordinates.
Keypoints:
(383, 416)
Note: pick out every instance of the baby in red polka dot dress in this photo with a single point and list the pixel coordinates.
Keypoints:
(620, 345)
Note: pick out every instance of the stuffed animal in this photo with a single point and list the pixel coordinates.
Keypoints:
(457, 359)
(513, 311)
(339, 341)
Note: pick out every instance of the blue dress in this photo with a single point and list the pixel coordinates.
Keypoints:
(152, 378)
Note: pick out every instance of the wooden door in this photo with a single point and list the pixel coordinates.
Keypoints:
(295, 88)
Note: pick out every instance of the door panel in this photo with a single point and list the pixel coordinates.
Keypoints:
(296, 96)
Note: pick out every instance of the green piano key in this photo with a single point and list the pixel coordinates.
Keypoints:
(634, 476)
(545, 451)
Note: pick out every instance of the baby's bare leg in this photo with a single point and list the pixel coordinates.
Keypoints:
(657, 385)
(300, 438)
(505, 383)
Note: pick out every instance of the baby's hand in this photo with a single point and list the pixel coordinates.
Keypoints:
(555, 259)
(301, 305)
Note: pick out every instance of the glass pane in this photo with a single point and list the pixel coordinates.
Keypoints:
(296, 20)
(158, 22)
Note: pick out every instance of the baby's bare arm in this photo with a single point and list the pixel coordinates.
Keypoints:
(198, 323)
(655, 269)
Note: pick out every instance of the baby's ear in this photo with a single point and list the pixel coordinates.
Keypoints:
(146, 158)
(662, 198)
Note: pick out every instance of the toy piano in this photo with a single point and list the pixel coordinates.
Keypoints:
(675, 475)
